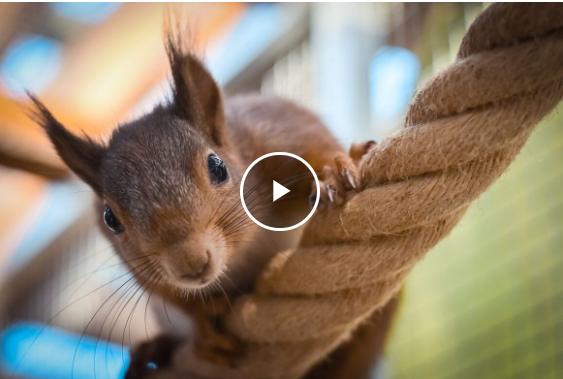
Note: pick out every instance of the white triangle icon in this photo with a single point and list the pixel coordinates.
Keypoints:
(279, 190)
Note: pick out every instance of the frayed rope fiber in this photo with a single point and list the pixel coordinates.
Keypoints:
(463, 129)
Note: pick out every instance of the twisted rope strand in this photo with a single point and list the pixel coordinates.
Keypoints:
(463, 129)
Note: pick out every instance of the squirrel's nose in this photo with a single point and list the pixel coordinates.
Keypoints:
(197, 270)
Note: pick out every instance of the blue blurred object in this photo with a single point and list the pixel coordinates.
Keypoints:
(88, 13)
(30, 63)
(254, 33)
(52, 352)
(394, 72)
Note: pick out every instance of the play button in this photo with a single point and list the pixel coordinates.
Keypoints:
(279, 190)
(276, 191)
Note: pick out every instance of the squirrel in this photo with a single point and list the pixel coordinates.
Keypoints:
(169, 183)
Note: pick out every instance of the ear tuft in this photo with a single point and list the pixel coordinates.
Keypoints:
(82, 155)
(197, 97)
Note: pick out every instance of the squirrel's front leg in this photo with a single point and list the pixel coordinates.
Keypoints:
(342, 177)
(155, 358)
(210, 342)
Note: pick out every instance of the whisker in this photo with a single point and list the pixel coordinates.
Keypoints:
(116, 304)
(147, 304)
(131, 314)
(65, 308)
(92, 319)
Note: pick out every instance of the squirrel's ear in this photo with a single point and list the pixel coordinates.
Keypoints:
(197, 96)
(81, 155)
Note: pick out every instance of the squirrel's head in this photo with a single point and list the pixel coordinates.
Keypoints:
(169, 181)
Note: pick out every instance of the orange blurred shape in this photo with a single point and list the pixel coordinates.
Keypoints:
(105, 74)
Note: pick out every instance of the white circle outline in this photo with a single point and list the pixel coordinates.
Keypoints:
(287, 155)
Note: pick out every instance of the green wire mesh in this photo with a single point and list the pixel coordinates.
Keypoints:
(488, 301)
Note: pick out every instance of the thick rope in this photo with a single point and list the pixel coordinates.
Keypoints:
(463, 129)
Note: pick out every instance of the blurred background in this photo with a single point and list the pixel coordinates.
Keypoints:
(486, 303)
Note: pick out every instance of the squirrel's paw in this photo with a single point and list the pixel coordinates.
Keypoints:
(219, 349)
(210, 343)
(344, 177)
(151, 356)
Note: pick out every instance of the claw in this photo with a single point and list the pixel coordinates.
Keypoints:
(331, 191)
(350, 179)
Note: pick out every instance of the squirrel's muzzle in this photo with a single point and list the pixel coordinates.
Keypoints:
(192, 263)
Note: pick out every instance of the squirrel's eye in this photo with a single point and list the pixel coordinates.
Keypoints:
(217, 169)
(112, 222)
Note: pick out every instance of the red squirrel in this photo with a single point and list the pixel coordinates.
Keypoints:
(169, 183)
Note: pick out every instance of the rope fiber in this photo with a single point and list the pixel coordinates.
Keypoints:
(462, 131)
